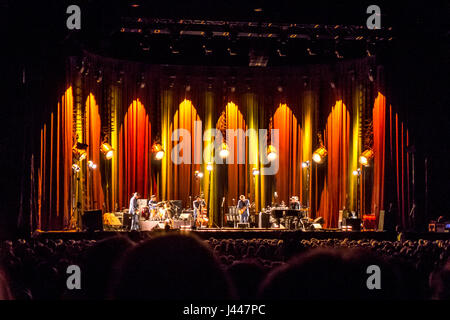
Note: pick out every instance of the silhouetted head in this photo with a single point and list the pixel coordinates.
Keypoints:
(170, 267)
(98, 266)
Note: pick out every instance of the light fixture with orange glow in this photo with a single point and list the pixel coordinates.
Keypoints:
(198, 174)
(224, 152)
(320, 154)
(158, 151)
(75, 167)
(79, 151)
(92, 165)
(271, 153)
(107, 150)
(209, 166)
(255, 171)
(365, 157)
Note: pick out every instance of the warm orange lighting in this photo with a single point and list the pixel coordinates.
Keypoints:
(107, 150)
(79, 154)
(158, 151)
(223, 153)
(271, 153)
(255, 171)
(320, 154)
(209, 166)
(365, 157)
(198, 174)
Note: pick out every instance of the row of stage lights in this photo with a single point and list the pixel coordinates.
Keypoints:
(319, 155)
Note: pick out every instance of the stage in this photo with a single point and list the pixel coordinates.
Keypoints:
(250, 233)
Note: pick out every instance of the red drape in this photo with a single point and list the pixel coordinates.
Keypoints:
(181, 182)
(134, 154)
(237, 173)
(55, 170)
(288, 180)
(94, 192)
(336, 140)
(379, 133)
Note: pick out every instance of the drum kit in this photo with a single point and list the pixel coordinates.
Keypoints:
(161, 211)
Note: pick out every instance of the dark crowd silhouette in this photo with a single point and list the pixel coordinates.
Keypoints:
(183, 267)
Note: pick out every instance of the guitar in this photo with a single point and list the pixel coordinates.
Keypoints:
(243, 209)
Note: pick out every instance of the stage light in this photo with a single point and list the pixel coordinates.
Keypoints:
(365, 157)
(158, 151)
(92, 165)
(209, 166)
(198, 174)
(305, 164)
(255, 171)
(320, 154)
(79, 154)
(271, 153)
(75, 167)
(357, 172)
(223, 153)
(107, 150)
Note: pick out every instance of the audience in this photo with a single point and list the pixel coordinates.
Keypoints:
(183, 267)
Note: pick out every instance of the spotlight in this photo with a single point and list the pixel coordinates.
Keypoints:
(75, 167)
(142, 82)
(357, 172)
(79, 154)
(107, 150)
(209, 166)
(224, 152)
(99, 77)
(305, 164)
(158, 150)
(92, 165)
(198, 174)
(271, 153)
(320, 154)
(365, 157)
(255, 171)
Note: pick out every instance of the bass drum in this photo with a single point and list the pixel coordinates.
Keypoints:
(145, 213)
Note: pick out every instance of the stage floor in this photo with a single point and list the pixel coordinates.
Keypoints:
(250, 233)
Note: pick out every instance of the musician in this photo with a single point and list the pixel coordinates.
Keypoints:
(243, 203)
(294, 203)
(133, 210)
(198, 204)
(152, 204)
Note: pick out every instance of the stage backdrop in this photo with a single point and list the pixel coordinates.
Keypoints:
(132, 106)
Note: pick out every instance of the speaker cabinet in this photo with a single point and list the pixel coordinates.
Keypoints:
(93, 220)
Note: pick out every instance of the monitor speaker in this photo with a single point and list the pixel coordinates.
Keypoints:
(93, 220)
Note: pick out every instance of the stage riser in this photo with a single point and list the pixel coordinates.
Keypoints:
(250, 234)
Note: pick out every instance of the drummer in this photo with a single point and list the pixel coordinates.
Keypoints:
(152, 204)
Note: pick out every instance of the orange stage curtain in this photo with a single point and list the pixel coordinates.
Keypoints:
(180, 180)
(94, 192)
(379, 132)
(336, 140)
(288, 180)
(134, 154)
(399, 169)
(55, 169)
(237, 173)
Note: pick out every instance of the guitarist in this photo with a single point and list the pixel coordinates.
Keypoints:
(243, 205)
(198, 204)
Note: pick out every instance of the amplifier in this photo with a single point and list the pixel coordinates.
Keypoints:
(354, 223)
(264, 220)
(93, 220)
(243, 225)
(126, 220)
